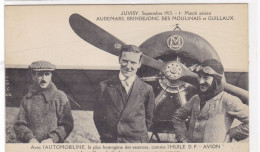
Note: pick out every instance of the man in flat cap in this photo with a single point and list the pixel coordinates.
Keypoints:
(45, 114)
(124, 112)
(212, 110)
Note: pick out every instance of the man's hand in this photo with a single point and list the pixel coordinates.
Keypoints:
(185, 140)
(33, 140)
(49, 140)
(228, 139)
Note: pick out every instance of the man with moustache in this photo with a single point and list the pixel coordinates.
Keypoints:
(44, 114)
(212, 110)
(124, 112)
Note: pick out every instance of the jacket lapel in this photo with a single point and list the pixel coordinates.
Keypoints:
(205, 109)
(115, 92)
(47, 93)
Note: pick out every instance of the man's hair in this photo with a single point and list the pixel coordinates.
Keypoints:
(130, 48)
(33, 72)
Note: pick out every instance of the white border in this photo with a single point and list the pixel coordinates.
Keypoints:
(2, 73)
(254, 32)
(254, 72)
(47, 2)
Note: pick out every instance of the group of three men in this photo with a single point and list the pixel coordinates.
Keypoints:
(124, 111)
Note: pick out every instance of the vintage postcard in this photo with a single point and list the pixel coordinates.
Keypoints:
(167, 77)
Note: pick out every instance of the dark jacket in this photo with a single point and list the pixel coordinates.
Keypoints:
(44, 114)
(124, 118)
(213, 121)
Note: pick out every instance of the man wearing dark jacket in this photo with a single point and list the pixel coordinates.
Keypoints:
(45, 114)
(124, 112)
(212, 110)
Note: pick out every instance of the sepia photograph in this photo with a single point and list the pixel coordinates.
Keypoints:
(99, 77)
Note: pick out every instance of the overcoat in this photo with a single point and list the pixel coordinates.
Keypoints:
(120, 117)
(44, 114)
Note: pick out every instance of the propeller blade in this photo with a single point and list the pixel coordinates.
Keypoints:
(166, 104)
(103, 40)
(181, 98)
(95, 35)
(160, 98)
(178, 99)
(189, 76)
(151, 62)
(236, 91)
(152, 78)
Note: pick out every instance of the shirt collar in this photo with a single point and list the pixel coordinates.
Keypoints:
(129, 79)
(218, 97)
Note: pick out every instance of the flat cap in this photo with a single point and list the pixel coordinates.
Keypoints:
(42, 66)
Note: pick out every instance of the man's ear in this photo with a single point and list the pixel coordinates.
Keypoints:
(140, 63)
(141, 60)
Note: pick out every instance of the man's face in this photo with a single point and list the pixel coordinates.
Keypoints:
(205, 81)
(130, 63)
(42, 78)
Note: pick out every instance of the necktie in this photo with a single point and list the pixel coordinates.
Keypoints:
(126, 82)
(126, 85)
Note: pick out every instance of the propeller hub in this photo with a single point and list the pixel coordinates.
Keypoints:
(172, 86)
(173, 70)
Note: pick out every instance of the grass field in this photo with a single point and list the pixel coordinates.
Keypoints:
(84, 130)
